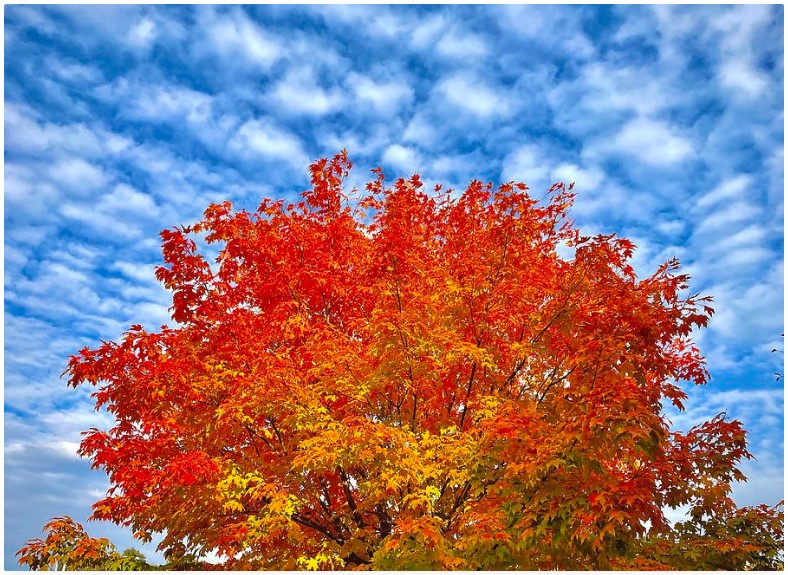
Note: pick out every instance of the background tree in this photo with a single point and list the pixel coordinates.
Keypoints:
(68, 547)
(394, 379)
(722, 538)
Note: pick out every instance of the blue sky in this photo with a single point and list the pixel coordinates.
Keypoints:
(121, 121)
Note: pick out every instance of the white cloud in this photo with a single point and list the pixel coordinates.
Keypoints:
(77, 256)
(765, 483)
(26, 236)
(720, 221)
(299, 93)
(675, 26)
(143, 34)
(379, 22)
(158, 102)
(671, 227)
(127, 201)
(473, 94)
(652, 142)
(387, 96)
(151, 314)
(746, 237)
(527, 164)
(109, 27)
(607, 87)
(370, 144)
(66, 448)
(22, 132)
(182, 187)
(633, 24)
(739, 25)
(52, 277)
(461, 44)
(447, 165)
(406, 160)
(44, 477)
(456, 166)
(100, 222)
(747, 313)
(747, 404)
(719, 31)
(384, 23)
(77, 175)
(730, 189)
(584, 178)
(545, 24)
(234, 37)
(420, 129)
(27, 195)
(742, 77)
(136, 271)
(427, 31)
(263, 139)
(741, 30)
(746, 257)
(35, 353)
(73, 71)
(611, 203)
(26, 133)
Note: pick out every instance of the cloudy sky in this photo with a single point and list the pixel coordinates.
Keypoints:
(122, 121)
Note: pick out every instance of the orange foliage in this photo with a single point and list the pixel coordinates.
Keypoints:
(66, 547)
(392, 378)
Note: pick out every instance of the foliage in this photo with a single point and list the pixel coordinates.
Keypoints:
(723, 537)
(396, 379)
(68, 548)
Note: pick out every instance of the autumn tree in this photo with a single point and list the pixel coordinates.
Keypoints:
(67, 547)
(394, 378)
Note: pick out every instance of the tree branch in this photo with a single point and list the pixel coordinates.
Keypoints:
(457, 502)
(301, 520)
(349, 498)
(554, 382)
(467, 395)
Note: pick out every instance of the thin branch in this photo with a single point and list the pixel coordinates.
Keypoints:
(514, 373)
(252, 435)
(457, 502)
(301, 520)
(349, 498)
(467, 395)
(545, 328)
(385, 521)
(554, 382)
(278, 435)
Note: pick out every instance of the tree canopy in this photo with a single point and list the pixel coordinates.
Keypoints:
(397, 378)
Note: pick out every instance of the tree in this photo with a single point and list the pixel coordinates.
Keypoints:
(392, 379)
(724, 538)
(68, 548)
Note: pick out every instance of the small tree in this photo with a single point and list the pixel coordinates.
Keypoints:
(401, 380)
(68, 548)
